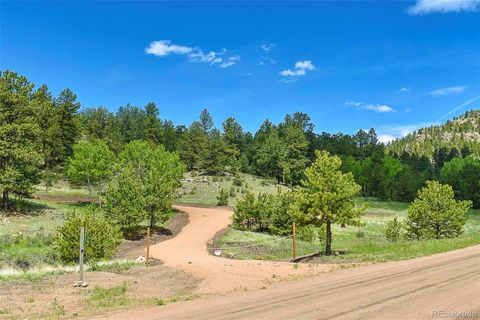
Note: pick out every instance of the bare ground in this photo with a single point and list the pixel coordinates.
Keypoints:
(439, 286)
(55, 296)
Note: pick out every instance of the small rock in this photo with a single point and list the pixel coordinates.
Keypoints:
(337, 253)
(140, 259)
(85, 284)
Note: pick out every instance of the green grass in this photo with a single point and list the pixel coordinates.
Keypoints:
(356, 244)
(109, 298)
(204, 190)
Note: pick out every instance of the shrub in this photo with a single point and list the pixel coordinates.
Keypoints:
(102, 237)
(393, 230)
(238, 180)
(435, 213)
(222, 198)
(232, 192)
(311, 234)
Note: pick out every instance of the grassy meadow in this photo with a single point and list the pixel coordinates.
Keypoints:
(26, 234)
(353, 244)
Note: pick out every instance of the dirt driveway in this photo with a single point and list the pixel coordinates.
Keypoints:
(442, 286)
(188, 252)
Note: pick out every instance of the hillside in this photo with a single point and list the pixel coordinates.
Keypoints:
(460, 132)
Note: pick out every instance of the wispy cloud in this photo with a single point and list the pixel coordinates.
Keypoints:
(447, 91)
(381, 108)
(230, 62)
(164, 48)
(267, 46)
(422, 7)
(404, 89)
(301, 68)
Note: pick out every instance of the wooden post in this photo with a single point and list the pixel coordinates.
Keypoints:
(294, 231)
(148, 245)
(82, 249)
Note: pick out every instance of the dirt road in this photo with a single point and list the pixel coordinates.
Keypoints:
(188, 252)
(413, 289)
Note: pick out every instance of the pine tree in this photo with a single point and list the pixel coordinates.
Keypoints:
(326, 197)
(20, 159)
(67, 107)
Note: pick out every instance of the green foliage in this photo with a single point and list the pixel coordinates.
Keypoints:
(124, 200)
(109, 297)
(327, 196)
(265, 213)
(238, 180)
(102, 236)
(393, 230)
(91, 164)
(158, 174)
(463, 174)
(20, 157)
(26, 251)
(222, 198)
(461, 133)
(436, 214)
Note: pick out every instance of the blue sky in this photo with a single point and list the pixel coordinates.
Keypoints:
(393, 66)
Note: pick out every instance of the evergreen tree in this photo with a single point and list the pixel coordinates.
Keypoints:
(193, 144)
(435, 213)
(67, 106)
(20, 158)
(206, 121)
(327, 197)
(152, 124)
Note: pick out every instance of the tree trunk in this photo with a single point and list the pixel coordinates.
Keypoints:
(328, 242)
(5, 200)
(152, 221)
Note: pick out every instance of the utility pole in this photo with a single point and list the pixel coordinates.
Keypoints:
(82, 250)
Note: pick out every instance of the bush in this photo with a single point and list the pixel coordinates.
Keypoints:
(393, 230)
(238, 180)
(311, 234)
(102, 237)
(435, 214)
(232, 192)
(266, 213)
(24, 251)
(222, 198)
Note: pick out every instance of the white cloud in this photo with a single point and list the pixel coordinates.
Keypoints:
(211, 57)
(267, 46)
(230, 62)
(164, 48)
(387, 134)
(447, 91)
(404, 89)
(422, 7)
(293, 73)
(386, 138)
(378, 108)
(304, 65)
(301, 68)
(381, 108)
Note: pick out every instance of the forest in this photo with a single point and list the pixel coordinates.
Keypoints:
(39, 131)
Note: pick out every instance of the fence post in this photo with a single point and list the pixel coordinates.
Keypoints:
(82, 249)
(294, 231)
(148, 245)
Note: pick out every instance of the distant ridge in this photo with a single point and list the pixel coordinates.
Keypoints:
(460, 133)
